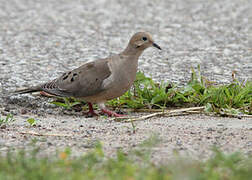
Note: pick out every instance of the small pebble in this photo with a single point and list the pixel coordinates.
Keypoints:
(3, 126)
(14, 112)
(88, 132)
(7, 109)
(210, 129)
(179, 143)
(23, 111)
(249, 143)
(220, 131)
(49, 111)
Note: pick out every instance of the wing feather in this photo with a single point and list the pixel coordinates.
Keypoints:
(81, 82)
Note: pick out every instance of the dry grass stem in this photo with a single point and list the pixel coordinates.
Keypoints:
(164, 113)
(46, 134)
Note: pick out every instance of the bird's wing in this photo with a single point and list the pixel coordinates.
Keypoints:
(84, 81)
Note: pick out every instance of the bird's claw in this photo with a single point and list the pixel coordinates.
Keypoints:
(111, 113)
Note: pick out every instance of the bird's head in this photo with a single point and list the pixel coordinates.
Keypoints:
(142, 40)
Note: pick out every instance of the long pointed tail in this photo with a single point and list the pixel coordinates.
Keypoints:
(27, 90)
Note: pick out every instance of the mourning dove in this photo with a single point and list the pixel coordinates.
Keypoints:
(102, 79)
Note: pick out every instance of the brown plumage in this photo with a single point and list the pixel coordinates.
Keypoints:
(102, 79)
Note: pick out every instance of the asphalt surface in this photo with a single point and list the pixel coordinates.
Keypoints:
(39, 40)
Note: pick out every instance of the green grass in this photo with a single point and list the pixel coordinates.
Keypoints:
(9, 118)
(133, 165)
(67, 103)
(31, 121)
(233, 98)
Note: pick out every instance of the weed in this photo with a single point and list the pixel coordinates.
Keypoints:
(67, 103)
(133, 127)
(135, 165)
(234, 98)
(31, 121)
(7, 119)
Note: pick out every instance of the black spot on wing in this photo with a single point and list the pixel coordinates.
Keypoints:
(65, 77)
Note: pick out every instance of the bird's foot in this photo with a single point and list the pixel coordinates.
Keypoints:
(90, 113)
(111, 113)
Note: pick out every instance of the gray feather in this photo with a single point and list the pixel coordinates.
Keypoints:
(27, 90)
(81, 82)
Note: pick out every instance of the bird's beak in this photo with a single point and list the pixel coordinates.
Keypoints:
(156, 46)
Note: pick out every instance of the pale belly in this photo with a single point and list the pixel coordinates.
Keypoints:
(107, 95)
(116, 91)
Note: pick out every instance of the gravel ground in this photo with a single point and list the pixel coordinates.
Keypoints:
(39, 40)
(192, 135)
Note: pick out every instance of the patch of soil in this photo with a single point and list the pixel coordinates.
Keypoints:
(193, 135)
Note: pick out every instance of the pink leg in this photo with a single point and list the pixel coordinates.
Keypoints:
(91, 112)
(111, 113)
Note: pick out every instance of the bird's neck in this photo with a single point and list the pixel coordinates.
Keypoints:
(132, 51)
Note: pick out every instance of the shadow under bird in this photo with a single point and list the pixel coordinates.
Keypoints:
(102, 79)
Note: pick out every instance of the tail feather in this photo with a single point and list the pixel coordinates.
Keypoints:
(27, 90)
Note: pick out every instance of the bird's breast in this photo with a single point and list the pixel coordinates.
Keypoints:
(121, 79)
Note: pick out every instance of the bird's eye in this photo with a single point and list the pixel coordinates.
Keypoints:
(144, 38)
